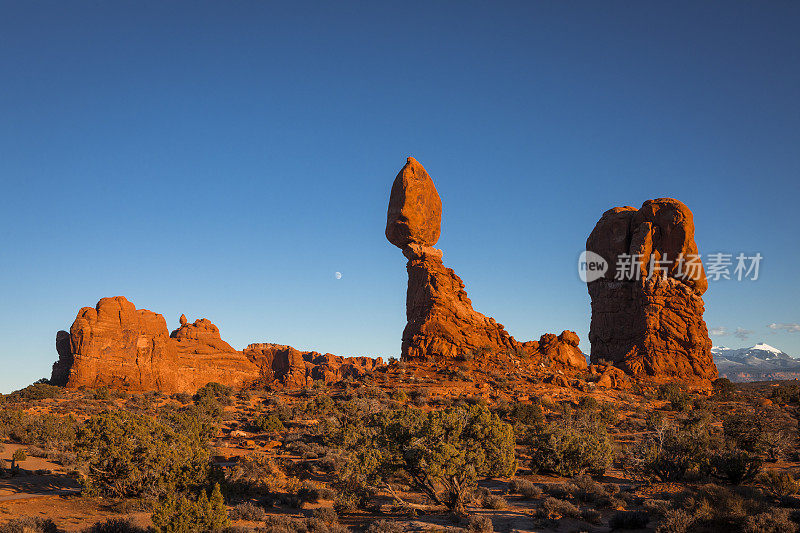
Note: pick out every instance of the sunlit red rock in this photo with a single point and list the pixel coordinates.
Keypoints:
(114, 344)
(415, 209)
(648, 320)
(441, 322)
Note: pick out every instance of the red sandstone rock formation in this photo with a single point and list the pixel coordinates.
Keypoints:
(295, 369)
(648, 318)
(415, 210)
(441, 320)
(116, 345)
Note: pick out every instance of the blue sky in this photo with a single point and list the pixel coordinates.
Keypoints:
(225, 159)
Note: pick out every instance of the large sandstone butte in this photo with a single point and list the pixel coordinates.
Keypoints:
(442, 324)
(647, 317)
(116, 345)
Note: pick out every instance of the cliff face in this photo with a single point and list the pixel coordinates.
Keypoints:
(116, 345)
(647, 315)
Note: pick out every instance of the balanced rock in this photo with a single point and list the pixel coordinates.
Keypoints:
(647, 309)
(415, 209)
(442, 323)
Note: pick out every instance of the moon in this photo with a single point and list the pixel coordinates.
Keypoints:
(337, 275)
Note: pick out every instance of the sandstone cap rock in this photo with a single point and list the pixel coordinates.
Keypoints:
(415, 209)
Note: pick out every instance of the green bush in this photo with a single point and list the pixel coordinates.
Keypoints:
(571, 447)
(671, 451)
(268, 423)
(18, 457)
(528, 414)
(675, 394)
(187, 515)
(37, 391)
(442, 452)
(723, 388)
(126, 454)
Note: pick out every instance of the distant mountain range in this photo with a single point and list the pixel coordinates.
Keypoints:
(761, 362)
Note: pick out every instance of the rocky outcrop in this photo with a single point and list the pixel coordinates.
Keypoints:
(647, 309)
(116, 345)
(294, 369)
(442, 323)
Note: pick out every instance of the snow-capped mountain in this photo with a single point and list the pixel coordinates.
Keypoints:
(759, 362)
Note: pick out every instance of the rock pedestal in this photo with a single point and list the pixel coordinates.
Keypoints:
(441, 321)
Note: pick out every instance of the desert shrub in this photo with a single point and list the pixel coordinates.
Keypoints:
(675, 521)
(219, 392)
(346, 502)
(182, 397)
(187, 515)
(629, 520)
(657, 507)
(528, 414)
(480, 524)
(493, 501)
(561, 490)
(255, 474)
(588, 490)
(248, 511)
(211, 398)
(325, 514)
(115, 525)
(717, 508)
(671, 451)
(28, 524)
(675, 394)
(723, 388)
(555, 508)
(127, 454)
(311, 492)
(736, 465)
(745, 430)
(268, 423)
(779, 484)
(786, 393)
(384, 526)
(37, 391)
(18, 457)
(571, 447)
(526, 489)
(771, 521)
(51, 430)
(101, 394)
(442, 452)
(399, 395)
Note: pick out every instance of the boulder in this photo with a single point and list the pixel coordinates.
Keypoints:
(415, 209)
